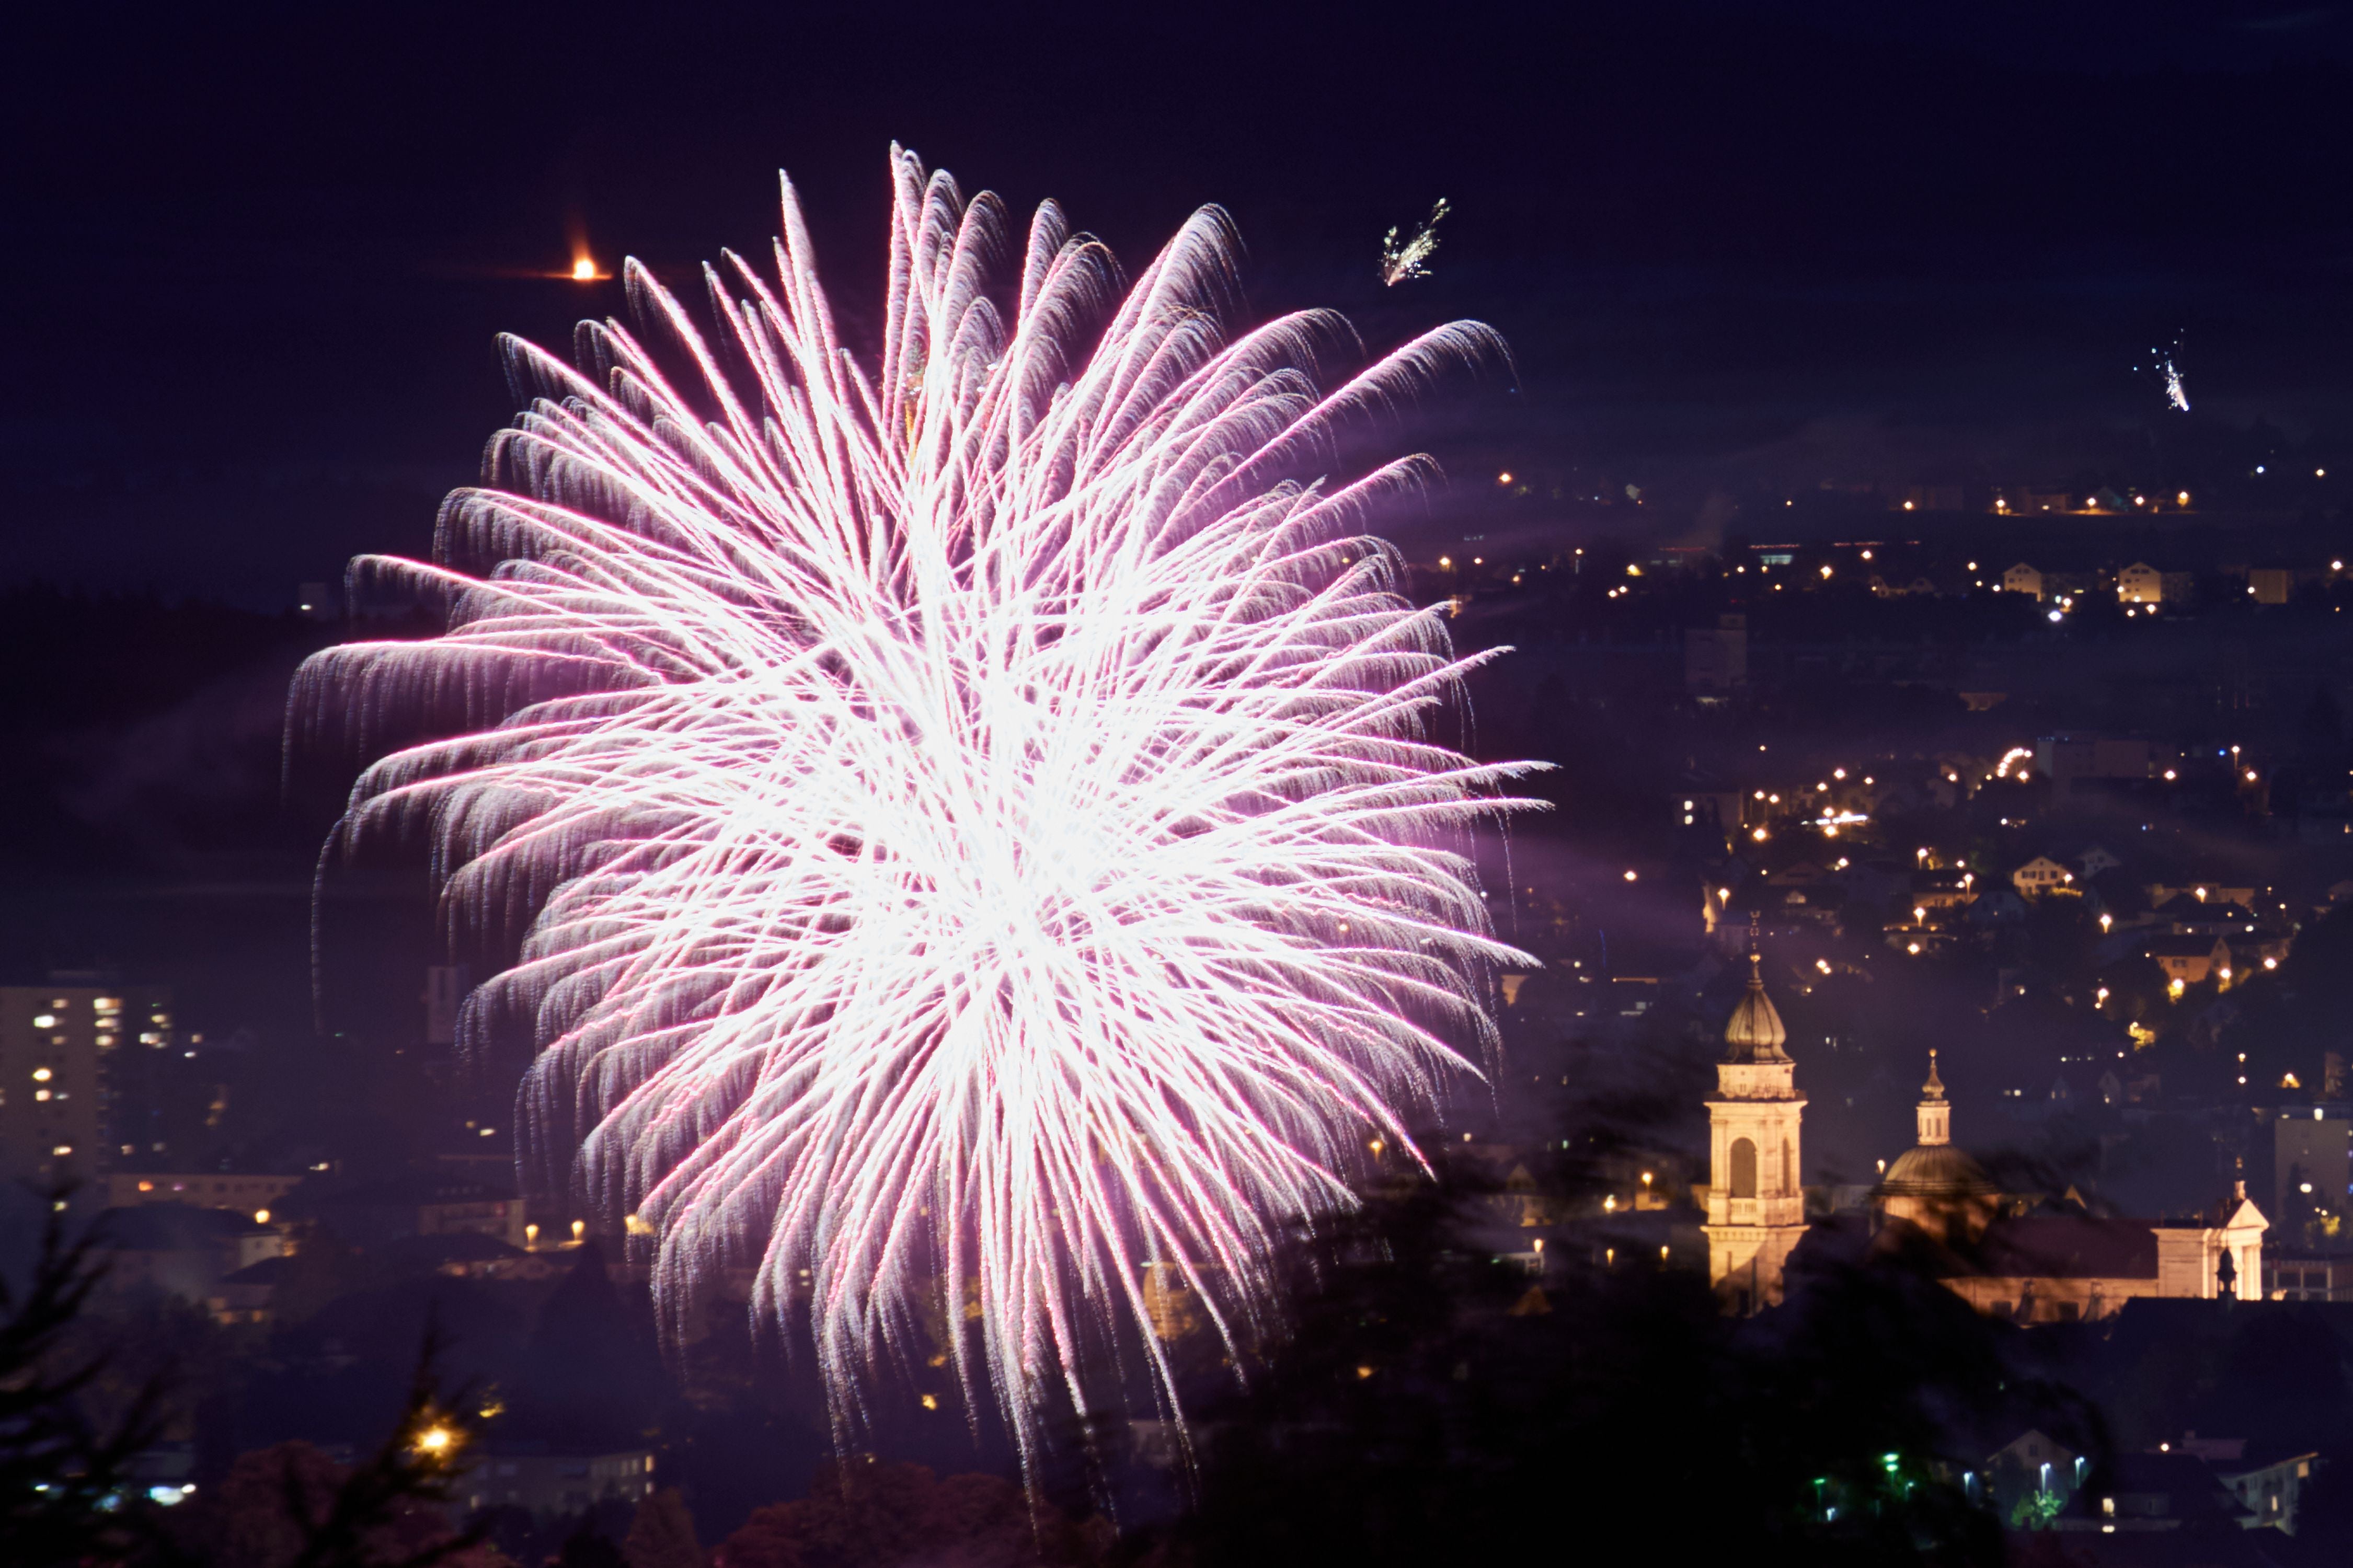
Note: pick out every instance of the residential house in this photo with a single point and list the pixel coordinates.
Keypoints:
(2189, 960)
(422, 1202)
(2092, 859)
(203, 1189)
(2265, 1482)
(2072, 760)
(1715, 661)
(528, 1476)
(181, 1250)
(2140, 583)
(2221, 890)
(2040, 876)
(2023, 579)
(2169, 1490)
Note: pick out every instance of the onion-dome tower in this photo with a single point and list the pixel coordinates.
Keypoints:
(1756, 1205)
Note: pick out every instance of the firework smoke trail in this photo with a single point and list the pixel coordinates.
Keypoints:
(976, 828)
(1402, 263)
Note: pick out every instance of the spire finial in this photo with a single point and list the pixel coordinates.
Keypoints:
(1935, 1088)
(1755, 1032)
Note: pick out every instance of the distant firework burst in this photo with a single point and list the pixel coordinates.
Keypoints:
(2176, 395)
(979, 825)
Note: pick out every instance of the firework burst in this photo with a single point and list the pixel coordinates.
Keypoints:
(977, 827)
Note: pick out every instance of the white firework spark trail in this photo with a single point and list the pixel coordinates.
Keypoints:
(1401, 263)
(978, 827)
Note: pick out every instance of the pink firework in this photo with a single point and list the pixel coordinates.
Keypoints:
(975, 821)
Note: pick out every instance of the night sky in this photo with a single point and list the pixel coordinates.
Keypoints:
(258, 256)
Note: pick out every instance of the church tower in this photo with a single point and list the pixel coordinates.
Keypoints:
(1756, 1205)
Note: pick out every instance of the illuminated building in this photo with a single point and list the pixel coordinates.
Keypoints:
(530, 1477)
(2059, 1262)
(1756, 1208)
(59, 1048)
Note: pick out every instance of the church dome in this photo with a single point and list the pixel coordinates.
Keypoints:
(1935, 1168)
(1755, 1033)
(1935, 1171)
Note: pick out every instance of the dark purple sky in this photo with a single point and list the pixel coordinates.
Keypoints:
(258, 255)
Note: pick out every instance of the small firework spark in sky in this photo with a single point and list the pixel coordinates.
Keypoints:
(978, 824)
(2176, 397)
(1400, 262)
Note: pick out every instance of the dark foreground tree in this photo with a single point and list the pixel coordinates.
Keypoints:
(662, 1534)
(868, 1513)
(67, 1487)
(65, 1492)
(1432, 1403)
(293, 1506)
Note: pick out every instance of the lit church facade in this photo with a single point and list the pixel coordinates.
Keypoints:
(2053, 1263)
(1755, 1196)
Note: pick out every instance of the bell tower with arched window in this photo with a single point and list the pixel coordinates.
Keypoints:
(1755, 1204)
